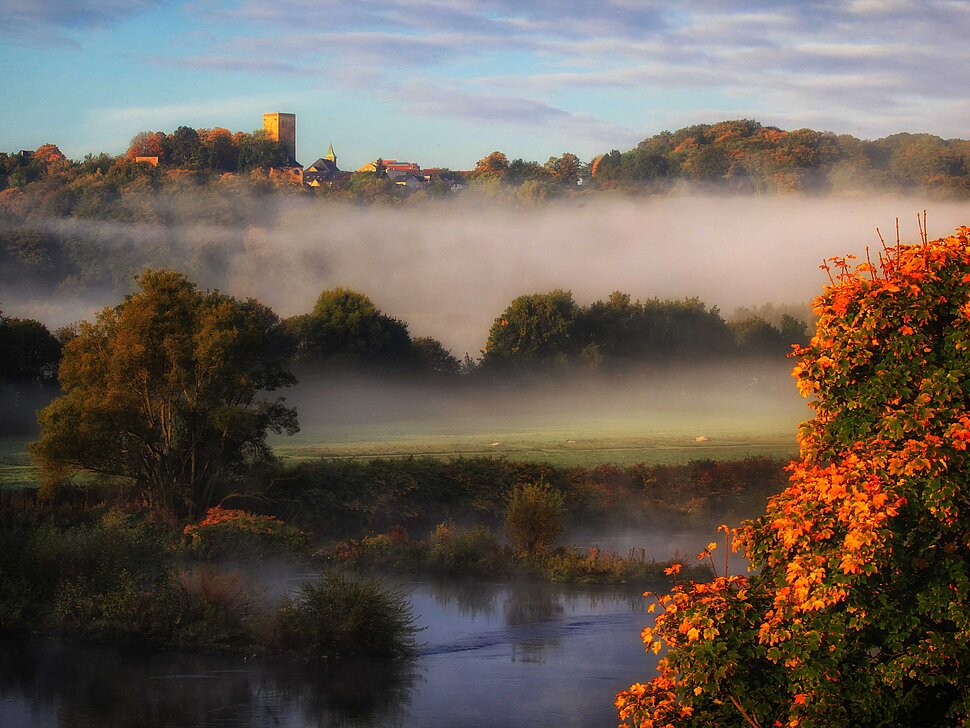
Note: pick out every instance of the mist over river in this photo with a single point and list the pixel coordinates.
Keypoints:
(519, 654)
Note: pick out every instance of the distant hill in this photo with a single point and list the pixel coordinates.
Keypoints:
(744, 156)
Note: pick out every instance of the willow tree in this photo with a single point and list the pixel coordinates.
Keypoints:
(857, 609)
(163, 390)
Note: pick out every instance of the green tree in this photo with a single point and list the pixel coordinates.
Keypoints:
(754, 335)
(433, 357)
(346, 329)
(624, 330)
(373, 187)
(258, 151)
(519, 171)
(534, 330)
(29, 352)
(186, 148)
(162, 390)
(217, 150)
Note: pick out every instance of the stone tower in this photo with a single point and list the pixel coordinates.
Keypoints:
(282, 128)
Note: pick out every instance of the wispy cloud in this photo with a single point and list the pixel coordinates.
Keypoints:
(229, 64)
(167, 116)
(489, 109)
(50, 19)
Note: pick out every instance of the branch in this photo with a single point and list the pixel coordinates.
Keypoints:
(750, 720)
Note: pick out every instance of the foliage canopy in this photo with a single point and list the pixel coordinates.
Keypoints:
(856, 610)
(162, 390)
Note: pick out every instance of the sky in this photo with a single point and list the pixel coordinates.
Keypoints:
(445, 82)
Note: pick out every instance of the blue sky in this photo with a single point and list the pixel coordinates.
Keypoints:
(443, 82)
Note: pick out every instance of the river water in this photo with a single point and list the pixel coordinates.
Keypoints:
(491, 654)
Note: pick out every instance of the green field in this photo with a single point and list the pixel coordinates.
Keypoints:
(16, 469)
(560, 447)
(570, 426)
(563, 448)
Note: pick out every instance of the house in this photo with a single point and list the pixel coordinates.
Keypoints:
(324, 172)
(407, 178)
(392, 165)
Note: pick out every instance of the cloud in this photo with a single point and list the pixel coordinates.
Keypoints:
(170, 115)
(490, 109)
(228, 64)
(380, 47)
(867, 67)
(49, 19)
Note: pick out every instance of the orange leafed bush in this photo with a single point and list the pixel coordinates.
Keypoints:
(225, 532)
(855, 612)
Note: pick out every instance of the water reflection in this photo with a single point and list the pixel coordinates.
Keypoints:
(542, 654)
(53, 683)
(532, 604)
(470, 599)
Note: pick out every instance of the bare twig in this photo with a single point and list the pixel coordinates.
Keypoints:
(828, 271)
(881, 240)
(727, 551)
(898, 247)
(872, 270)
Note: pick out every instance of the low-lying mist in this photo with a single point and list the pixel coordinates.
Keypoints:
(691, 403)
(449, 268)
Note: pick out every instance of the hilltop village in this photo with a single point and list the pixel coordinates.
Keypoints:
(280, 128)
(735, 157)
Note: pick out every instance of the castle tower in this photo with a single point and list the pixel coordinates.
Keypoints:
(282, 128)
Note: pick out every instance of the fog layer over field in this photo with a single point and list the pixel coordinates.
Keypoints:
(449, 268)
(680, 400)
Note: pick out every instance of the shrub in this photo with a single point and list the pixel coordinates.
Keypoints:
(464, 551)
(594, 566)
(343, 616)
(213, 608)
(534, 518)
(227, 532)
(856, 609)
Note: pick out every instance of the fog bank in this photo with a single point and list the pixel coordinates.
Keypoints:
(449, 268)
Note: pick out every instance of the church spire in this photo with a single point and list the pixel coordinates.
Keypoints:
(331, 155)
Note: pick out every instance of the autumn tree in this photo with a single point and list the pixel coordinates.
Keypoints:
(163, 391)
(49, 154)
(566, 168)
(495, 163)
(534, 518)
(148, 144)
(855, 610)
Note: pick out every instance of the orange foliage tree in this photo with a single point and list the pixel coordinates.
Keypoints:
(854, 611)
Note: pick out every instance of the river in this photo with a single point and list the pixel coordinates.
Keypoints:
(491, 654)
